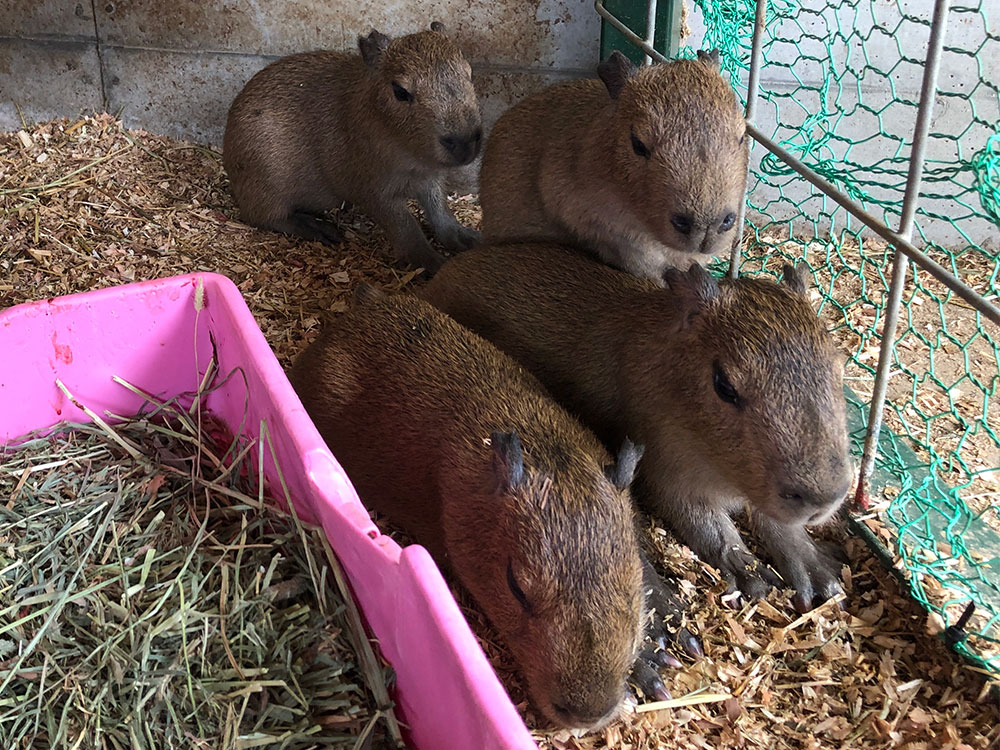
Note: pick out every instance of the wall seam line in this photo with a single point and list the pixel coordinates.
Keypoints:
(100, 56)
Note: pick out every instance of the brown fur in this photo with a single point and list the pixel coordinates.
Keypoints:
(560, 166)
(628, 356)
(408, 401)
(314, 129)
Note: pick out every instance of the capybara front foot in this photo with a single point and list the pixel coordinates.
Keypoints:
(422, 255)
(747, 574)
(657, 653)
(664, 634)
(458, 238)
(811, 568)
(646, 678)
(815, 576)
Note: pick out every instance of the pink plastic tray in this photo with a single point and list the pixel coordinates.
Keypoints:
(151, 335)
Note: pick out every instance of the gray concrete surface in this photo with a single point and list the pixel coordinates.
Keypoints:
(174, 66)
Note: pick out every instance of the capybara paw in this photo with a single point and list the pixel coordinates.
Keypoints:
(459, 238)
(665, 613)
(748, 574)
(311, 227)
(815, 578)
(423, 256)
(666, 637)
(645, 677)
(656, 654)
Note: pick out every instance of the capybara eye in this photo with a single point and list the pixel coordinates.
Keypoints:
(515, 589)
(639, 147)
(681, 223)
(402, 94)
(724, 388)
(727, 223)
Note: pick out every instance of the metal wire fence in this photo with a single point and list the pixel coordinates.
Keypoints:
(877, 122)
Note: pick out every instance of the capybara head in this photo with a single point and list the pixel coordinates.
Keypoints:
(424, 93)
(555, 566)
(762, 390)
(680, 151)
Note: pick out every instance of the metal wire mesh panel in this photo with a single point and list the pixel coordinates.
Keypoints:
(839, 88)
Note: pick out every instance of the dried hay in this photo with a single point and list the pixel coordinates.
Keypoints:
(88, 204)
(148, 598)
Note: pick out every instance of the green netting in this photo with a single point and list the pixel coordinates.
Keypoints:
(987, 166)
(840, 88)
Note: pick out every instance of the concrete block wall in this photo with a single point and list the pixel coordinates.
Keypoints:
(174, 66)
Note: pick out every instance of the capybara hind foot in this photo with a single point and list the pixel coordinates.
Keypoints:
(309, 227)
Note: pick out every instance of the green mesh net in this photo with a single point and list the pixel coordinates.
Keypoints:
(840, 87)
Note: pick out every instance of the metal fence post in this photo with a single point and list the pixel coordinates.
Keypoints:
(663, 19)
(650, 28)
(911, 199)
(753, 92)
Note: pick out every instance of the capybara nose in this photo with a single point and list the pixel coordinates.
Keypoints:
(463, 148)
(814, 498)
(580, 714)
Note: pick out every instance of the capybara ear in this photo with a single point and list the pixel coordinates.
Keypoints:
(439, 27)
(372, 47)
(508, 459)
(796, 278)
(615, 71)
(622, 472)
(367, 293)
(694, 289)
(711, 59)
